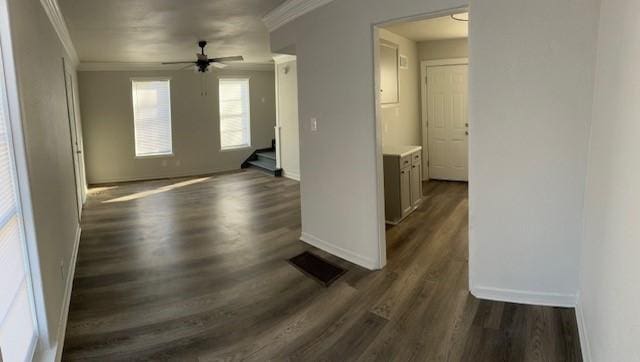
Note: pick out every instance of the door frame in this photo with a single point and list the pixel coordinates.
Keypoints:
(277, 60)
(377, 111)
(424, 64)
(75, 136)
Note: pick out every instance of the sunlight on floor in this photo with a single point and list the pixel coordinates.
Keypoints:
(159, 190)
(99, 189)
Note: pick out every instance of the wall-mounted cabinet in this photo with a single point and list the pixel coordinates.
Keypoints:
(389, 93)
(402, 181)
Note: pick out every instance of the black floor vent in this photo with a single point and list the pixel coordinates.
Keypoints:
(317, 268)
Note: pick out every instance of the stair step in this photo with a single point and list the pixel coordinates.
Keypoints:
(267, 154)
(267, 164)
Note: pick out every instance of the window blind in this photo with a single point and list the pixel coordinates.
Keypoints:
(152, 117)
(235, 129)
(17, 323)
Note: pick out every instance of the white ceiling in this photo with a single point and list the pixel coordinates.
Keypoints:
(167, 30)
(431, 29)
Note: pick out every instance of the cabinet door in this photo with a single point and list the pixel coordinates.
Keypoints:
(416, 183)
(405, 190)
(388, 73)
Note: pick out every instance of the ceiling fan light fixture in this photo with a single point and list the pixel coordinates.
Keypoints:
(460, 16)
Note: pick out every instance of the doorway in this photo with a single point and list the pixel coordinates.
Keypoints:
(422, 118)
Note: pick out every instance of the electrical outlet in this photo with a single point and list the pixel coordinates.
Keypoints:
(164, 163)
(178, 163)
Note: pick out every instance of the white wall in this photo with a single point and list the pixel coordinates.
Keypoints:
(287, 98)
(107, 120)
(610, 279)
(401, 121)
(443, 49)
(38, 57)
(531, 90)
(531, 87)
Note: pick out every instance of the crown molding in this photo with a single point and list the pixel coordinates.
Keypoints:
(123, 66)
(283, 58)
(52, 9)
(289, 10)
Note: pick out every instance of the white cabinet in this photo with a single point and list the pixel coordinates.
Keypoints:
(388, 72)
(402, 181)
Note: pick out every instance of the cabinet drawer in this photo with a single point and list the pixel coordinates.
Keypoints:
(416, 158)
(405, 161)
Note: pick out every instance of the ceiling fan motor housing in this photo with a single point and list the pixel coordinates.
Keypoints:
(202, 63)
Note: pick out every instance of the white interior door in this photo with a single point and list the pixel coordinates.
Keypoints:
(447, 122)
(76, 149)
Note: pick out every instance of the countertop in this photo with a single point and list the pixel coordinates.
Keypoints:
(395, 150)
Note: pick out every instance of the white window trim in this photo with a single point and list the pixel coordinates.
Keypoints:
(235, 148)
(21, 177)
(238, 147)
(135, 151)
(157, 155)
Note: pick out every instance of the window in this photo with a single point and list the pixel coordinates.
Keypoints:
(235, 129)
(152, 117)
(17, 322)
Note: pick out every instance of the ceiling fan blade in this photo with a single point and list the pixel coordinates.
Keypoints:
(236, 58)
(178, 62)
(219, 65)
(188, 66)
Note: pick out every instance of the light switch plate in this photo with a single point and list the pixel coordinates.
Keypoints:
(314, 124)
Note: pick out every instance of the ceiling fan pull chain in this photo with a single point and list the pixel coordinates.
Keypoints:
(203, 85)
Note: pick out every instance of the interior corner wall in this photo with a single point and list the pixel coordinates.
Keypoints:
(443, 49)
(401, 121)
(531, 76)
(38, 55)
(287, 98)
(610, 273)
(107, 120)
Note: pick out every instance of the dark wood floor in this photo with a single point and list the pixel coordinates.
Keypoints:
(195, 269)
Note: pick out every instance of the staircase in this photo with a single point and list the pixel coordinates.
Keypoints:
(264, 160)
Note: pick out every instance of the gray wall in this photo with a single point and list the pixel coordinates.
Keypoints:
(107, 120)
(48, 154)
(443, 49)
(401, 121)
(530, 96)
(609, 294)
(287, 74)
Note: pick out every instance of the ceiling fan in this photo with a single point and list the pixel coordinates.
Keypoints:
(202, 63)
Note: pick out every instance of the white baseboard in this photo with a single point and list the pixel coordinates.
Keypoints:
(64, 313)
(582, 331)
(525, 297)
(291, 175)
(340, 252)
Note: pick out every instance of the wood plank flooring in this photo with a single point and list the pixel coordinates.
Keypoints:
(195, 270)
